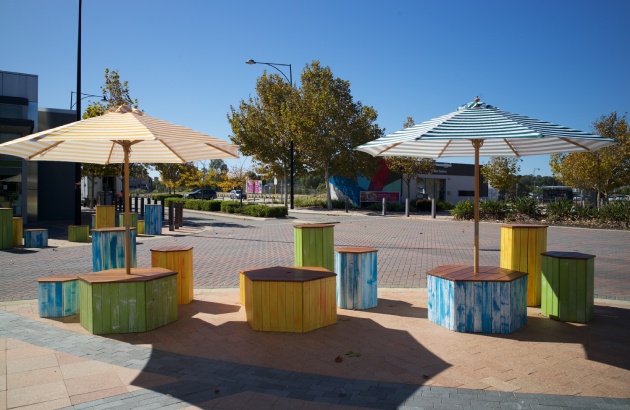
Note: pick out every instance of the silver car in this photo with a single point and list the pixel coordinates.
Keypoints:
(236, 194)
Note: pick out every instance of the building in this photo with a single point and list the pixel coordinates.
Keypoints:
(448, 182)
(37, 191)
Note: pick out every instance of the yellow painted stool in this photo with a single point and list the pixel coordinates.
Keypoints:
(179, 259)
(521, 249)
(18, 230)
(105, 216)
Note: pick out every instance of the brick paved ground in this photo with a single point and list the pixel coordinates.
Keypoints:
(408, 247)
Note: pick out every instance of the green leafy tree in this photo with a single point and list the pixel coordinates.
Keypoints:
(501, 173)
(175, 175)
(263, 127)
(410, 167)
(603, 170)
(330, 124)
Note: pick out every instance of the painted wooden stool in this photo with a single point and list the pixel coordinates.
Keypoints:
(133, 218)
(521, 248)
(6, 228)
(111, 301)
(179, 259)
(153, 219)
(78, 233)
(108, 248)
(357, 282)
(105, 216)
(289, 298)
(140, 227)
(568, 286)
(492, 301)
(57, 296)
(314, 245)
(18, 230)
(36, 238)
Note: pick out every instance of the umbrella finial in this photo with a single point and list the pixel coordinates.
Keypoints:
(477, 99)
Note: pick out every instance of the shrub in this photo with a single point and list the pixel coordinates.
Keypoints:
(444, 206)
(584, 212)
(526, 206)
(230, 207)
(423, 205)
(616, 212)
(492, 209)
(162, 197)
(303, 202)
(463, 210)
(559, 209)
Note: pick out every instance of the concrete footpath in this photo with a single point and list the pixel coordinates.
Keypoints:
(388, 357)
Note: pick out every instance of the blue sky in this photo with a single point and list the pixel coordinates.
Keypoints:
(562, 61)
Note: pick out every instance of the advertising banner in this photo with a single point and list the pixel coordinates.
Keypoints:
(254, 186)
(377, 196)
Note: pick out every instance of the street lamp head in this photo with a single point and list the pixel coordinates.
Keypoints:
(250, 61)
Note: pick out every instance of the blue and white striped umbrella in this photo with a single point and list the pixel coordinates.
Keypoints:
(482, 130)
(503, 134)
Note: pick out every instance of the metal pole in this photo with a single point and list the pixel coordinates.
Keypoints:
(407, 207)
(433, 207)
(384, 212)
(77, 166)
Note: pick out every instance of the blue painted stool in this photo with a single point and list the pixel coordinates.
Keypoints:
(357, 281)
(492, 301)
(57, 296)
(35, 238)
(108, 248)
(153, 219)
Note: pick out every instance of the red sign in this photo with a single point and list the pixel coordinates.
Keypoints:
(377, 196)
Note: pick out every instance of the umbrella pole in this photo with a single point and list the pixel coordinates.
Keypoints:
(476, 144)
(126, 148)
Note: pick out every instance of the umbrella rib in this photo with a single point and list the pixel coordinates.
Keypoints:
(45, 150)
(222, 150)
(174, 153)
(444, 149)
(575, 143)
(511, 147)
(387, 149)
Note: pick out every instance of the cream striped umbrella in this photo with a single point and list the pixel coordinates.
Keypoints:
(482, 130)
(121, 135)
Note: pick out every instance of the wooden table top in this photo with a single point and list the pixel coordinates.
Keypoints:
(466, 273)
(287, 274)
(171, 248)
(120, 275)
(313, 226)
(567, 255)
(356, 249)
(114, 229)
(62, 277)
(524, 226)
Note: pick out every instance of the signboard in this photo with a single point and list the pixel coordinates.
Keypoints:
(377, 196)
(254, 186)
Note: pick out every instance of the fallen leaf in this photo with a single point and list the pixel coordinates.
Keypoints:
(353, 354)
(338, 359)
(424, 376)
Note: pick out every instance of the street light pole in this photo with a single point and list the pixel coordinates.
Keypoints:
(534, 175)
(83, 97)
(77, 166)
(290, 80)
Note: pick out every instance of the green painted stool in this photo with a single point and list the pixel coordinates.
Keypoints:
(78, 233)
(314, 245)
(133, 219)
(6, 228)
(568, 286)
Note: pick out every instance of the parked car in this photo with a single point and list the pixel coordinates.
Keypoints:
(203, 193)
(236, 194)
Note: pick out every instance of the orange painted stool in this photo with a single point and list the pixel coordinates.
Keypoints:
(179, 259)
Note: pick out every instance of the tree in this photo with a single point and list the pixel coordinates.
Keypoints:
(410, 167)
(175, 175)
(603, 170)
(263, 126)
(500, 172)
(330, 125)
(116, 94)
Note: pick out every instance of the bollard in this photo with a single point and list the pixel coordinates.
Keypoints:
(407, 207)
(136, 204)
(432, 207)
(171, 222)
(384, 207)
(142, 207)
(346, 205)
(181, 215)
